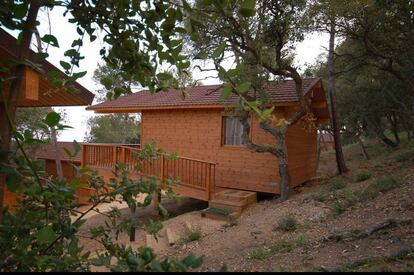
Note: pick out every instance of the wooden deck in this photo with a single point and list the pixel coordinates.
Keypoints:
(192, 177)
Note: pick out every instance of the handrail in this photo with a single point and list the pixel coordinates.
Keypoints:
(193, 173)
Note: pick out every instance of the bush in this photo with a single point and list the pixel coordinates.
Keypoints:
(381, 185)
(363, 175)
(337, 209)
(404, 156)
(259, 253)
(320, 196)
(282, 246)
(288, 223)
(337, 184)
(190, 236)
(302, 242)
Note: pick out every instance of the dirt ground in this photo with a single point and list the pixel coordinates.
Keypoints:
(252, 244)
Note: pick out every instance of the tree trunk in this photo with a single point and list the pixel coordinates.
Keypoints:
(12, 96)
(363, 149)
(59, 169)
(282, 156)
(340, 160)
(394, 127)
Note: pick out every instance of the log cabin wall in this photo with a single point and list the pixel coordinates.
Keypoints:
(197, 133)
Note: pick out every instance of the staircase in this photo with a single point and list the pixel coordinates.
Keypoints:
(229, 204)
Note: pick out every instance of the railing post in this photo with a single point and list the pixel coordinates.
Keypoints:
(208, 180)
(83, 157)
(162, 160)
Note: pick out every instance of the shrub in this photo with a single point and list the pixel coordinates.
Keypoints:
(404, 156)
(363, 175)
(337, 184)
(337, 209)
(381, 185)
(320, 196)
(259, 253)
(302, 242)
(281, 246)
(190, 236)
(288, 223)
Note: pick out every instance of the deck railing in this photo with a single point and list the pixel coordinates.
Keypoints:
(195, 177)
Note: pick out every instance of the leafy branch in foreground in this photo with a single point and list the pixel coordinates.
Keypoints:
(43, 230)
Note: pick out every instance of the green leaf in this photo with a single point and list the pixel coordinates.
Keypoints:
(183, 65)
(268, 112)
(107, 82)
(201, 55)
(248, 8)
(52, 119)
(226, 91)
(233, 72)
(50, 39)
(220, 49)
(46, 235)
(162, 210)
(244, 87)
(65, 65)
(79, 75)
(40, 56)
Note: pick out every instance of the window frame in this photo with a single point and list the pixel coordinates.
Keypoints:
(223, 131)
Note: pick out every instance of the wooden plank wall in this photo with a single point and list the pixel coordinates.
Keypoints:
(197, 133)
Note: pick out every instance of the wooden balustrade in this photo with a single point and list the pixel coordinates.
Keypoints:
(192, 177)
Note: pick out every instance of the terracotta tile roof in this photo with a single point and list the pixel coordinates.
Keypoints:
(46, 151)
(200, 95)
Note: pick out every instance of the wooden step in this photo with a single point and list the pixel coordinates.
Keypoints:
(237, 195)
(234, 206)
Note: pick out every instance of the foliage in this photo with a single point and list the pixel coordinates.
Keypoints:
(302, 242)
(113, 128)
(281, 246)
(42, 232)
(338, 183)
(287, 223)
(363, 175)
(404, 156)
(190, 235)
(338, 208)
(259, 253)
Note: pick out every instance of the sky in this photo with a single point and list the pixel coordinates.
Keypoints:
(307, 52)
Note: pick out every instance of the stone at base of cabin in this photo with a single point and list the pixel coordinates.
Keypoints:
(215, 215)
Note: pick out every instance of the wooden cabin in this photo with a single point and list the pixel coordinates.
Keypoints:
(37, 91)
(207, 139)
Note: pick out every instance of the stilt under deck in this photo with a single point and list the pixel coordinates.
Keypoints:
(192, 178)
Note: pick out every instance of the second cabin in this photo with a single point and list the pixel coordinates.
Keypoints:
(204, 134)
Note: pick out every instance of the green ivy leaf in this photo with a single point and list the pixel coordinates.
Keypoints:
(50, 39)
(52, 119)
(46, 235)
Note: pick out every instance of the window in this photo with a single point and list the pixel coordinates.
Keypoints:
(232, 131)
